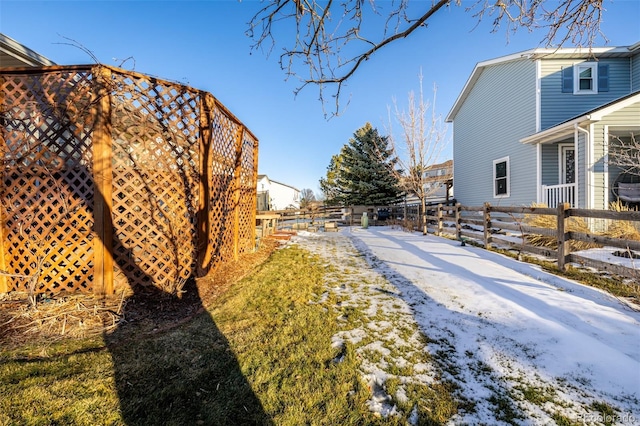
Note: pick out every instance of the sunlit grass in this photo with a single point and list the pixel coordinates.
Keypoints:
(261, 355)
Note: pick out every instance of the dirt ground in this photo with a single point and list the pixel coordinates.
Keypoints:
(60, 316)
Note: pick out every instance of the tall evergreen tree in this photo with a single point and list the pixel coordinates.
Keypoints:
(328, 183)
(363, 172)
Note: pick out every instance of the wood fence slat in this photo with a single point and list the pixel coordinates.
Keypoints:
(605, 241)
(604, 266)
(542, 251)
(606, 214)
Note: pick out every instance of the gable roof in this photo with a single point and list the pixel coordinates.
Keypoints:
(596, 114)
(284, 184)
(535, 54)
(14, 54)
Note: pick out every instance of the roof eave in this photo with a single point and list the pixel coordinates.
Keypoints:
(555, 133)
(23, 53)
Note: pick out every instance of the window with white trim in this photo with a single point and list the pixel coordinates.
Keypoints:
(585, 79)
(501, 184)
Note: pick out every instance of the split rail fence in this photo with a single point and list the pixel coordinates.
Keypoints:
(486, 224)
(113, 178)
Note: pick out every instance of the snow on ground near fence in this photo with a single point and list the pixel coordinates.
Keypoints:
(504, 330)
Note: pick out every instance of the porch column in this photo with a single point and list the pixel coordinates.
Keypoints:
(576, 162)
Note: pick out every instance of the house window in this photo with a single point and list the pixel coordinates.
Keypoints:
(586, 78)
(501, 177)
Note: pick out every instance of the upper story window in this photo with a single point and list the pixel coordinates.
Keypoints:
(585, 78)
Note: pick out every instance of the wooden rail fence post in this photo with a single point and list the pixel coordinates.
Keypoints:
(439, 230)
(563, 242)
(458, 211)
(486, 217)
(102, 178)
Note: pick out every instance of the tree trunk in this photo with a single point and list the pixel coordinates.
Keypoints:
(424, 214)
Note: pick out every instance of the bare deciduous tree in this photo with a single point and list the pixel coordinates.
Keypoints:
(423, 139)
(307, 197)
(333, 39)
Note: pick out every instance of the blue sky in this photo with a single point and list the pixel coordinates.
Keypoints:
(203, 44)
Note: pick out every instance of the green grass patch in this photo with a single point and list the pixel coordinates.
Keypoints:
(261, 355)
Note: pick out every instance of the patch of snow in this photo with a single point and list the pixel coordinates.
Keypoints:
(496, 327)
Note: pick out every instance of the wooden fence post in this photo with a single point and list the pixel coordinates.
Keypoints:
(458, 211)
(486, 216)
(563, 242)
(102, 179)
(439, 230)
(255, 191)
(207, 109)
(236, 193)
(4, 287)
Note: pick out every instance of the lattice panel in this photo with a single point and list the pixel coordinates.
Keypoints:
(222, 206)
(247, 207)
(155, 182)
(47, 191)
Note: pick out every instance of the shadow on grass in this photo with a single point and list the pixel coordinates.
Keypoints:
(173, 366)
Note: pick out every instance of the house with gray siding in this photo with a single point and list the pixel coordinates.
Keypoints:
(14, 54)
(537, 126)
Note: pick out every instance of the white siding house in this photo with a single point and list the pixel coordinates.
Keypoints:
(535, 126)
(274, 195)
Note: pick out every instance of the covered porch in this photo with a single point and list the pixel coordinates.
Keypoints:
(583, 160)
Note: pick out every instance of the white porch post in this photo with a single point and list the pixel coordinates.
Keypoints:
(576, 163)
(587, 189)
(539, 173)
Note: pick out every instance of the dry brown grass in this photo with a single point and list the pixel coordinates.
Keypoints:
(59, 316)
(622, 228)
(617, 229)
(574, 224)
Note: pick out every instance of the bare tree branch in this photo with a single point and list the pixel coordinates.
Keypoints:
(332, 40)
(625, 153)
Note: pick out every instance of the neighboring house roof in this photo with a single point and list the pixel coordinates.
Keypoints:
(538, 53)
(14, 54)
(444, 165)
(284, 184)
(567, 127)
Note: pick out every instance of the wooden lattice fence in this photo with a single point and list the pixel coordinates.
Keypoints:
(113, 178)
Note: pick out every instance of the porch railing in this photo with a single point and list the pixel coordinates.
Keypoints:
(552, 195)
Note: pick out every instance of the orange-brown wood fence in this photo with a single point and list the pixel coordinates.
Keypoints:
(486, 223)
(113, 178)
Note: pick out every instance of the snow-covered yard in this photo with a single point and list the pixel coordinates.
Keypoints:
(521, 345)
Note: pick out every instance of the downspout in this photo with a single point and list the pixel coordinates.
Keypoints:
(538, 127)
(587, 160)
